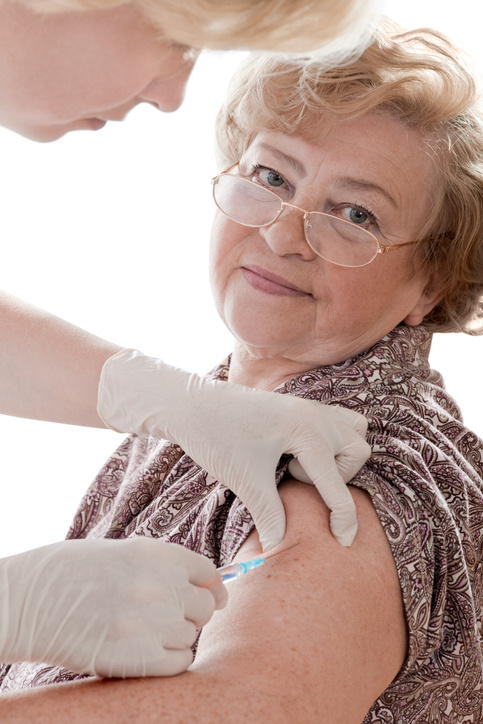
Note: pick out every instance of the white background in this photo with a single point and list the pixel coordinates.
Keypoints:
(110, 230)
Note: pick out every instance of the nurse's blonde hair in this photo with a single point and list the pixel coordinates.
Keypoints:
(342, 28)
(422, 79)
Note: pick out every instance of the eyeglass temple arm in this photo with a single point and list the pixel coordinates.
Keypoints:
(391, 247)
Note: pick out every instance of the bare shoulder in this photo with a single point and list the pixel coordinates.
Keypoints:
(322, 626)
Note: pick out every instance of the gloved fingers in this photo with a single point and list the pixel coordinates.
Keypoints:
(198, 605)
(343, 514)
(200, 571)
(352, 451)
(174, 662)
(353, 419)
(153, 661)
(267, 512)
(251, 476)
(219, 591)
(335, 494)
(255, 469)
(149, 652)
(343, 523)
(179, 635)
(352, 457)
(297, 471)
(326, 433)
(361, 424)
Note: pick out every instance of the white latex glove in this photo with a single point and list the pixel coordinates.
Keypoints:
(238, 435)
(106, 607)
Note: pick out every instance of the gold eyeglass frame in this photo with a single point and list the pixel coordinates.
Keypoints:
(381, 248)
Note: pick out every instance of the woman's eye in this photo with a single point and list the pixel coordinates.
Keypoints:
(356, 215)
(274, 178)
(268, 177)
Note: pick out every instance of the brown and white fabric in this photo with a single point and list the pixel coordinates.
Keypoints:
(425, 478)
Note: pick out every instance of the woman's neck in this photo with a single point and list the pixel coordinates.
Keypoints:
(264, 373)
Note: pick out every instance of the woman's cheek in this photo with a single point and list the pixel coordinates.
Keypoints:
(218, 289)
(216, 266)
(225, 285)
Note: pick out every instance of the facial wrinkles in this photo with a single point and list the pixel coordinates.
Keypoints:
(314, 185)
(360, 181)
(282, 257)
(349, 309)
(395, 211)
(293, 162)
(387, 169)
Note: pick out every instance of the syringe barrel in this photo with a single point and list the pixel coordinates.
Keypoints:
(235, 570)
(230, 572)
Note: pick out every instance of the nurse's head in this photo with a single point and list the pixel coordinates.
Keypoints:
(76, 64)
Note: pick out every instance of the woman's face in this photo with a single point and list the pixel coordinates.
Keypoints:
(77, 70)
(280, 299)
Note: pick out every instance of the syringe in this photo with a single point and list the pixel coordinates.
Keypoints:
(235, 570)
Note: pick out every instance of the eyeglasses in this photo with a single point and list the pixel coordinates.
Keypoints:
(336, 240)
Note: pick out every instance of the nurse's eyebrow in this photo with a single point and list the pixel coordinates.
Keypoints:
(364, 185)
(293, 162)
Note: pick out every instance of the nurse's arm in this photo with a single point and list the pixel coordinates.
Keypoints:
(314, 635)
(49, 368)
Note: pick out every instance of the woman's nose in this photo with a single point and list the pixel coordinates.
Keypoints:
(286, 236)
(167, 94)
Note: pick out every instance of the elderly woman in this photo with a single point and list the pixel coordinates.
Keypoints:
(349, 227)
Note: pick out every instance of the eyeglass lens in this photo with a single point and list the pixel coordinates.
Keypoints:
(336, 240)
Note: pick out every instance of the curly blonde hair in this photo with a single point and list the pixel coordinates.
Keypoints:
(419, 77)
(339, 28)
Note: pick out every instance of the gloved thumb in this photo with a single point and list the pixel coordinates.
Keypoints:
(350, 459)
(269, 515)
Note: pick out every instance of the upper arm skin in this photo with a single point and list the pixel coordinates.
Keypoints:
(314, 635)
(321, 626)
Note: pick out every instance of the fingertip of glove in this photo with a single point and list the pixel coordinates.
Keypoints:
(346, 538)
(271, 542)
(221, 598)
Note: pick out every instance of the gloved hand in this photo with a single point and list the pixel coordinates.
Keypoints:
(238, 435)
(107, 607)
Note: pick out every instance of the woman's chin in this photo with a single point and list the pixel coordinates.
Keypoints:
(266, 325)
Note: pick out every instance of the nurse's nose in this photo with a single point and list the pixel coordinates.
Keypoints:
(286, 235)
(167, 93)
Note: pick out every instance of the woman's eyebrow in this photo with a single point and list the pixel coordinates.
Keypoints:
(293, 162)
(364, 185)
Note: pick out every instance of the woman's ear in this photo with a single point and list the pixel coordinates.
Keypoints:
(430, 296)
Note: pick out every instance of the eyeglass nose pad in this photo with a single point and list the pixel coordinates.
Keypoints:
(307, 222)
(284, 212)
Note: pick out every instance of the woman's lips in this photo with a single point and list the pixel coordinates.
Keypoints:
(271, 283)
